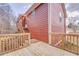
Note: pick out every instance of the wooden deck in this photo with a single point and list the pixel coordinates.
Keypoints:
(38, 48)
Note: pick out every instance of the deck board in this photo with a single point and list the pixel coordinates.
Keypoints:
(39, 49)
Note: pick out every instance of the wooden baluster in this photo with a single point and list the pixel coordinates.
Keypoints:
(21, 41)
(9, 42)
(66, 42)
(73, 45)
(12, 42)
(63, 40)
(70, 42)
(26, 39)
(8, 37)
(51, 38)
(3, 45)
(29, 39)
(6, 43)
(0, 45)
(77, 45)
(16, 41)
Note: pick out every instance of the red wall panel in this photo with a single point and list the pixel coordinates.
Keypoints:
(38, 23)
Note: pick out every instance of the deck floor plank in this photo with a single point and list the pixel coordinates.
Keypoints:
(39, 49)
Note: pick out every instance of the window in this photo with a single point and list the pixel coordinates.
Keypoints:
(60, 16)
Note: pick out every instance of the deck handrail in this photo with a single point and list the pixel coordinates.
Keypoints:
(65, 33)
(69, 41)
(11, 42)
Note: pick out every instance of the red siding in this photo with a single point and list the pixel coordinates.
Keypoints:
(38, 23)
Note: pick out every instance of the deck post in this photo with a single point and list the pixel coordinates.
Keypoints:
(29, 38)
(49, 23)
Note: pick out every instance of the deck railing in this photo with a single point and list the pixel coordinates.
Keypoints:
(69, 42)
(11, 42)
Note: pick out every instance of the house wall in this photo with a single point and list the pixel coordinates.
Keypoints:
(45, 19)
(37, 23)
(57, 20)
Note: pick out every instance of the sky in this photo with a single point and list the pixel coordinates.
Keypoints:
(72, 9)
(19, 8)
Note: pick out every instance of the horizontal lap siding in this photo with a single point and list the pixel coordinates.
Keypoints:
(38, 23)
(57, 26)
